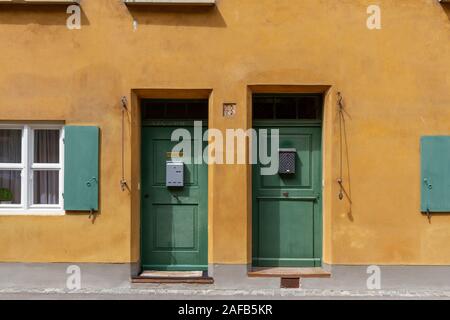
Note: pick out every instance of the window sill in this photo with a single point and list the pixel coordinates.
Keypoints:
(31, 212)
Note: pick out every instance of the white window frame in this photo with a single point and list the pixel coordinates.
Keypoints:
(27, 167)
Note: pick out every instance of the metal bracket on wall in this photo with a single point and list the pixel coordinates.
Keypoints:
(124, 102)
(92, 215)
(92, 212)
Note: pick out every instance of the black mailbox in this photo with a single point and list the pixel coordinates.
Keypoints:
(287, 161)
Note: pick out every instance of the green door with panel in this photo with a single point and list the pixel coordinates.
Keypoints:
(173, 219)
(287, 215)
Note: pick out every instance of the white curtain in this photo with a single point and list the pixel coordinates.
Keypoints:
(46, 187)
(46, 183)
(11, 152)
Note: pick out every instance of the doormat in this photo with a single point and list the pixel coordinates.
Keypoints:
(171, 274)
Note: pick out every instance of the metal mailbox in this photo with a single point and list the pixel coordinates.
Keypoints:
(287, 161)
(174, 174)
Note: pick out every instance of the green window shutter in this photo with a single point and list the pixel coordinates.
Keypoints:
(435, 167)
(81, 165)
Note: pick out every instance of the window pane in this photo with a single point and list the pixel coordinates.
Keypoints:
(10, 187)
(263, 108)
(152, 109)
(180, 109)
(10, 146)
(309, 108)
(45, 187)
(176, 110)
(285, 108)
(198, 110)
(46, 146)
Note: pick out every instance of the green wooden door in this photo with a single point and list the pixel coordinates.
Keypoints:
(287, 215)
(174, 220)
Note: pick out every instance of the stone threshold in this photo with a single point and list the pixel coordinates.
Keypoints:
(289, 273)
(192, 277)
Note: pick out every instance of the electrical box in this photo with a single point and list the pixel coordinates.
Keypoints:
(286, 163)
(174, 174)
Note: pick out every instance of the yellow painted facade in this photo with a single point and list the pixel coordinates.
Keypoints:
(395, 83)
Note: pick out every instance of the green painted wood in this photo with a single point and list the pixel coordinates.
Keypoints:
(81, 168)
(174, 223)
(435, 174)
(287, 212)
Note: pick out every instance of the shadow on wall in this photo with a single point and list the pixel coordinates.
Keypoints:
(446, 7)
(24, 14)
(199, 16)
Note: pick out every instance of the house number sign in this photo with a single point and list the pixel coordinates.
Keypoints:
(229, 110)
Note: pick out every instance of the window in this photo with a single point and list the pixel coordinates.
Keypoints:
(31, 169)
(287, 107)
(177, 109)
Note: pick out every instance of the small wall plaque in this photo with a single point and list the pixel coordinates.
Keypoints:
(229, 110)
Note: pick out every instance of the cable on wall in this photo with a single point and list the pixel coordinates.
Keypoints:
(340, 179)
(342, 144)
(123, 181)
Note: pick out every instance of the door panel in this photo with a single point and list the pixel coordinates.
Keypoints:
(287, 208)
(174, 220)
(175, 227)
(281, 241)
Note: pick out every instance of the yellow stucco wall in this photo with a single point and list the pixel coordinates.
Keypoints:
(395, 83)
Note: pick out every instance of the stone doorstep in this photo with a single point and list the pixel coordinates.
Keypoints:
(290, 277)
(161, 280)
(161, 277)
(292, 273)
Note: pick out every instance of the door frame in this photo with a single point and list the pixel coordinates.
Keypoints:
(132, 159)
(319, 226)
(173, 123)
